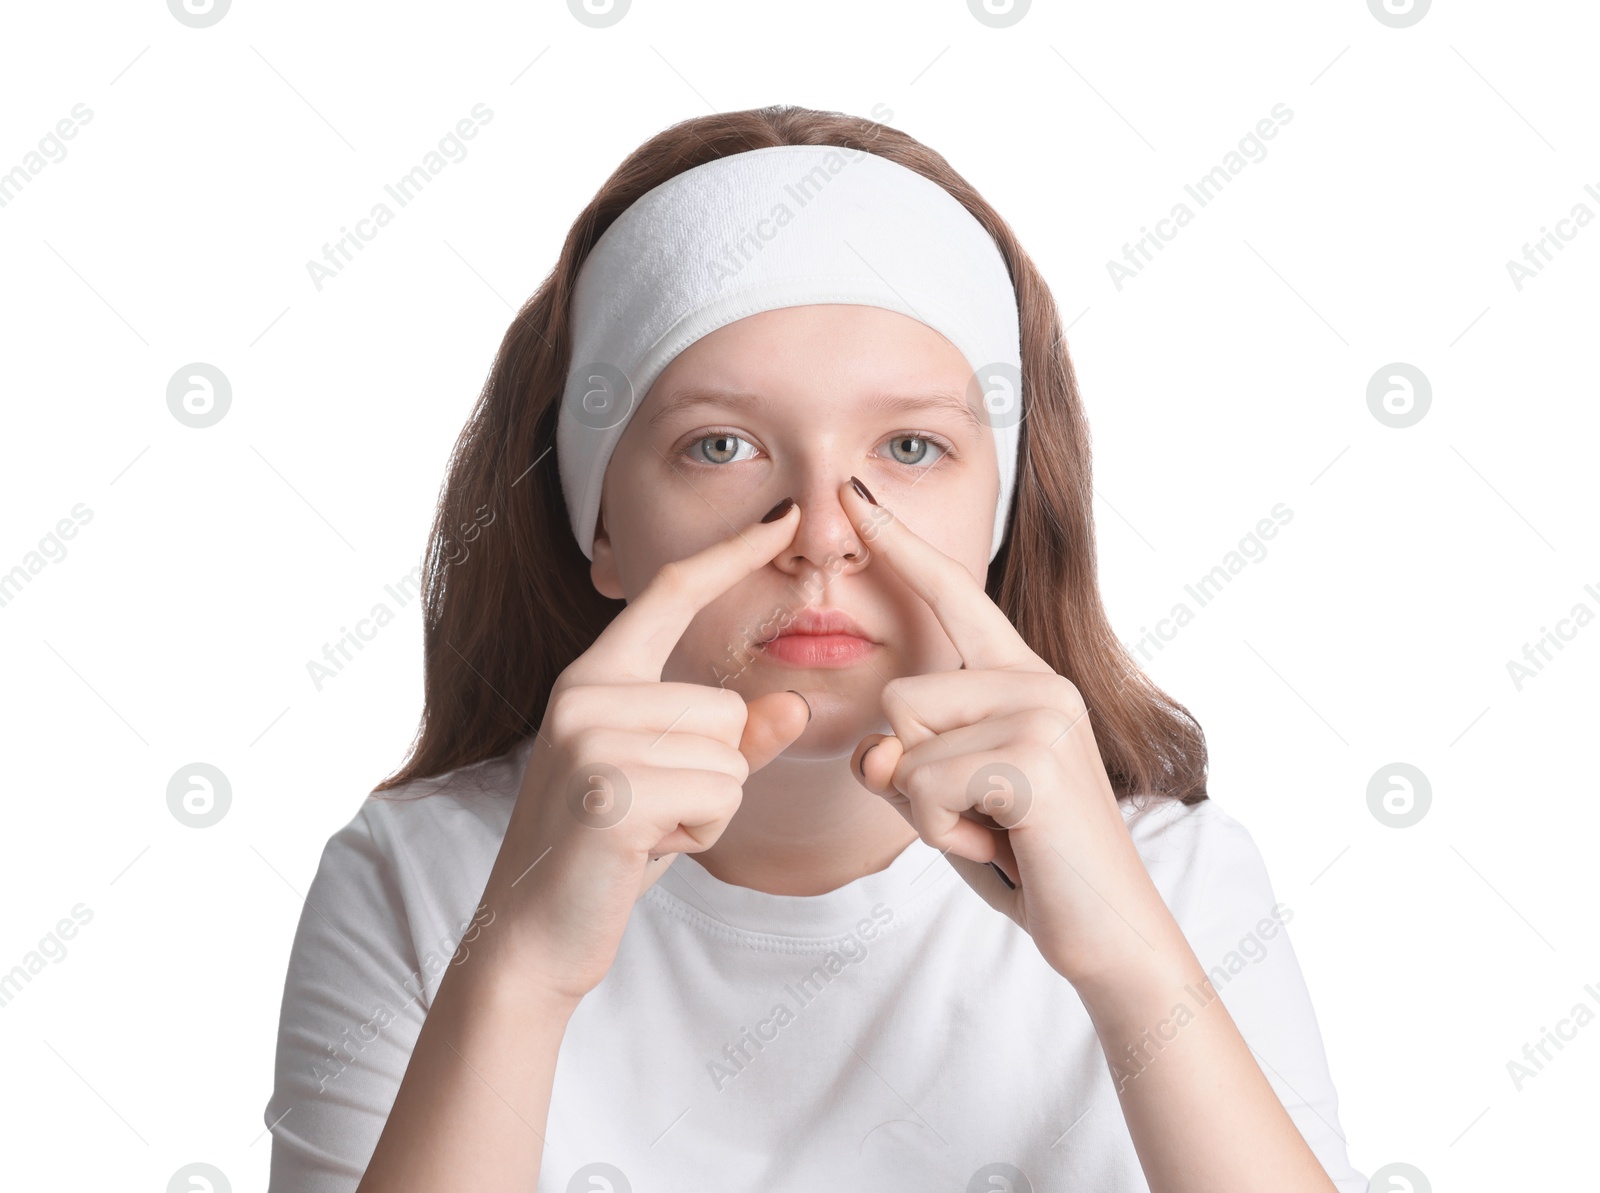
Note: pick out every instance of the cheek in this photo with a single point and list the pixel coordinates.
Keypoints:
(921, 642)
(652, 516)
(718, 644)
(647, 537)
(959, 524)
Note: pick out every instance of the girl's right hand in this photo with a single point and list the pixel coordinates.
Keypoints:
(626, 768)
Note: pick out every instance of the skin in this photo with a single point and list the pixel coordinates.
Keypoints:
(770, 800)
(804, 826)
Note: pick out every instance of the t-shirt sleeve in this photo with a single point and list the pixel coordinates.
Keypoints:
(1237, 929)
(352, 1010)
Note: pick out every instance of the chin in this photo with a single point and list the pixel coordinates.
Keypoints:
(839, 720)
(829, 738)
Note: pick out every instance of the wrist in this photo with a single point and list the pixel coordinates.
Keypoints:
(503, 981)
(1151, 981)
(1125, 939)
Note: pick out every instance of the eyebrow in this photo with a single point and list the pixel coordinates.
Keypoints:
(876, 403)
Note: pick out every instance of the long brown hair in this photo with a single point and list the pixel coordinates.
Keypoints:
(506, 595)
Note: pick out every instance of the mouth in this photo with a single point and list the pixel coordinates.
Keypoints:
(819, 638)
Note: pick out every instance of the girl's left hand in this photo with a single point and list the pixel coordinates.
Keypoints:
(997, 762)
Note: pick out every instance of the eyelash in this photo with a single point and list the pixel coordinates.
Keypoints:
(946, 449)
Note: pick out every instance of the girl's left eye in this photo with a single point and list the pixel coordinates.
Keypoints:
(915, 446)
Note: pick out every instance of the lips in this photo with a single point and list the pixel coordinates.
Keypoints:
(819, 638)
(821, 623)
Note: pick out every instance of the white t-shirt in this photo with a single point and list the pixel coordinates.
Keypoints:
(897, 1033)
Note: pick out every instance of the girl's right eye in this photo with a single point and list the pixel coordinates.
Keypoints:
(718, 448)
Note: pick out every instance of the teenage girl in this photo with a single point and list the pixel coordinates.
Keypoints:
(785, 813)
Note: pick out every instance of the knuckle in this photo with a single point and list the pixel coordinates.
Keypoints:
(1030, 761)
(1047, 724)
(588, 743)
(738, 766)
(726, 793)
(1070, 698)
(671, 580)
(896, 691)
(913, 782)
(729, 712)
(563, 717)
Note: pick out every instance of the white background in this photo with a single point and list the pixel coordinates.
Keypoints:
(1228, 376)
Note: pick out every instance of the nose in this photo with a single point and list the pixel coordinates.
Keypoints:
(826, 538)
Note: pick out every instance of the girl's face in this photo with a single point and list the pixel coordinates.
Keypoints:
(792, 403)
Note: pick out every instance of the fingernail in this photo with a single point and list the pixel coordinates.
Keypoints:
(862, 489)
(808, 705)
(863, 763)
(777, 511)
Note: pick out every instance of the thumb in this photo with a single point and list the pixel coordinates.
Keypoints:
(772, 724)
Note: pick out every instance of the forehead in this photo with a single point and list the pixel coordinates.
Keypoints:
(835, 356)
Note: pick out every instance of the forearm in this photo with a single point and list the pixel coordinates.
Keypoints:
(471, 1110)
(1201, 1113)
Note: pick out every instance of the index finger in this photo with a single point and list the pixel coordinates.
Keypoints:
(637, 642)
(983, 635)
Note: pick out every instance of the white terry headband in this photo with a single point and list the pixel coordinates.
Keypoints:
(784, 226)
